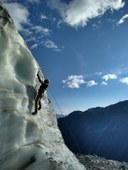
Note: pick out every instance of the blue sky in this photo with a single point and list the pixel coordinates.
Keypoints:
(81, 46)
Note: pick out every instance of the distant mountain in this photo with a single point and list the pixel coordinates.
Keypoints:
(58, 116)
(100, 131)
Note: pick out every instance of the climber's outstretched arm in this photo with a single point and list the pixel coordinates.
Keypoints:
(39, 78)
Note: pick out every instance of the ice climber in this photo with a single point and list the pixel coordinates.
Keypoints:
(41, 90)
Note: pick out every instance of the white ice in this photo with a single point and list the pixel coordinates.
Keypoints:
(27, 142)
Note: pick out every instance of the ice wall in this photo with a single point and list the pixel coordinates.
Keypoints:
(27, 142)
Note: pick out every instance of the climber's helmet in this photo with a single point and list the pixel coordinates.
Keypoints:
(46, 81)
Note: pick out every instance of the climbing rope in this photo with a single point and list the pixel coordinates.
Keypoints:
(56, 101)
(66, 122)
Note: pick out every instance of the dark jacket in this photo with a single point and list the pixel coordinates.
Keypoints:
(42, 88)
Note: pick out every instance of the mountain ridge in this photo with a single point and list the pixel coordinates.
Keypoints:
(98, 108)
(100, 131)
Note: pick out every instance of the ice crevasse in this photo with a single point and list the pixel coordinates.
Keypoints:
(27, 142)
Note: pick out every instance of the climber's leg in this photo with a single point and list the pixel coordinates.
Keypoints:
(36, 104)
(41, 95)
(39, 104)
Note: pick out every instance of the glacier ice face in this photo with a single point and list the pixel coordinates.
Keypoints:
(27, 142)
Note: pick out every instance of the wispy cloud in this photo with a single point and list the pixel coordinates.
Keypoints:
(104, 83)
(40, 29)
(122, 20)
(74, 81)
(91, 83)
(34, 45)
(124, 80)
(78, 13)
(47, 43)
(98, 73)
(50, 44)
(109, 77)
(33, 1)
(36, 34)
(19, 13)
(43, 17)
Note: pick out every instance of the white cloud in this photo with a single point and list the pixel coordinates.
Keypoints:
(40, 29)
(91, 83)
(47, 43)
(98, 73)
(74, 81)
(33, 1)
(124, 80)
(57, 49)
(50, 44)
(19, 14)
(43, 17)
(33, 33)
(34, 46)
(109, 77)
(79, 12)
(104, 83)
(59, 23)
(122, 20)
